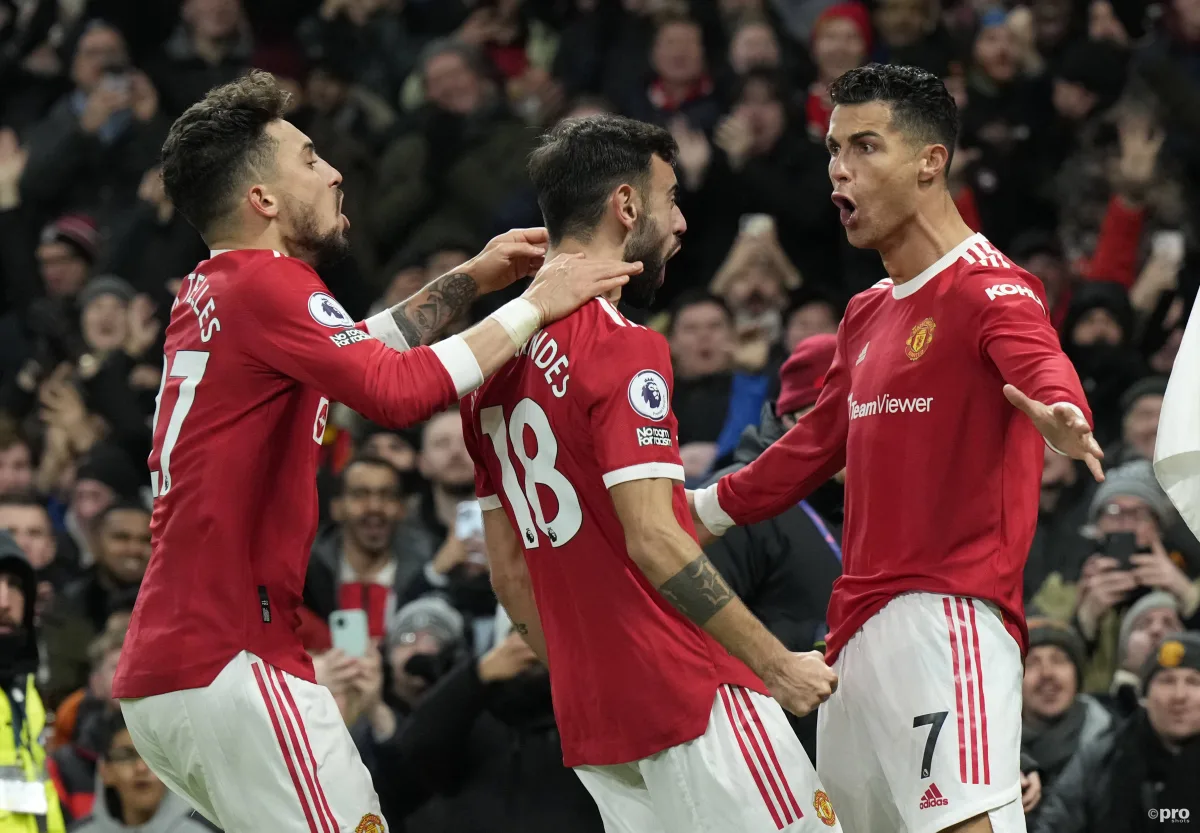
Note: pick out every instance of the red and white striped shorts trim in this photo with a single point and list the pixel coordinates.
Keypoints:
(293, 744)
(760, 756)
(973, 764)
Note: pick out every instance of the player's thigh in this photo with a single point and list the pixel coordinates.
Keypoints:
(276, 748)
(944, 709)
(165, 738)
(621, 797)
(747, 772)
(847, 763)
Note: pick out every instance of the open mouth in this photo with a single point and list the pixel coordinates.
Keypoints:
(848, 210)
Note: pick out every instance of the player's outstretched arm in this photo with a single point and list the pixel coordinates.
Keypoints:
(674, 563)
(510, 580)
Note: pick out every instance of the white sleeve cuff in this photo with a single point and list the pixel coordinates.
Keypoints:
(1074, 408)
(489, 502)
(715, 519)
(383, 327)
(644, 471)
(460, 363)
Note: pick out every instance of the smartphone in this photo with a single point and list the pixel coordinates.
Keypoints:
(119, 81)
(468, 521)
(348, 628)
(1120, 545)
(1168, 244)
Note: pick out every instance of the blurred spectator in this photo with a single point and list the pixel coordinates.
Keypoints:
(784, 568)
(484, 743)
(1122, 781)
(910, 33)
(81, 724)
(1057, 718)
(129, 796)
(25, 518)
(16, 461)
(428, 628)
(109, 586)
(1059, 547)
(841, 41)
(21, 749)
(396, 447)
(1143, 627)
(468, 153)
(212, 45)
(680, 84)
(151, 242)
(1097, 336)
(1040, 254)
(445, 465)
(1140, 406)
(368, 40)
(366, 559)
(103, 477)
(809, 313)
(753, 44)
(91, 150)
(1128, 501)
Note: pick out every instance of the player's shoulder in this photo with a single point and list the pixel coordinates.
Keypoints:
(598, 328)
(985, 275)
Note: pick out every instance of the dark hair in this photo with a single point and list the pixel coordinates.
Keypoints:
(578, 163)
(471, 56)
(23, 499)
(217, 143)
(368, 460)
(123, 505)
(112, 726)
(922, 107)
(694, 298)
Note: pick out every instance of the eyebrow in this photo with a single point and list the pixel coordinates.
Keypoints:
(673, 190)
(865, 134)
(308, 147)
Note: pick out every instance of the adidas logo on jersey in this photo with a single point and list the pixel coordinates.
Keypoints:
(933, 798)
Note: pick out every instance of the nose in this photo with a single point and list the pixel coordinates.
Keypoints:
(680, 223)
(335, 177)
(838, 172)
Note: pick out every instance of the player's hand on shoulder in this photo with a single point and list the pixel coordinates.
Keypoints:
(802, 682)
(569, 281)
(507, 258)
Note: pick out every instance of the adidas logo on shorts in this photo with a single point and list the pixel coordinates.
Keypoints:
(933, 798)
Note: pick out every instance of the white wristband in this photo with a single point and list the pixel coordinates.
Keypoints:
(520, 319)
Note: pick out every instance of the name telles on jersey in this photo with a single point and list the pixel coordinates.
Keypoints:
(206, 316)
(545, 354)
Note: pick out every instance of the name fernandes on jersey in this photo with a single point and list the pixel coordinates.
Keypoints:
(206, 316)
(546, 355)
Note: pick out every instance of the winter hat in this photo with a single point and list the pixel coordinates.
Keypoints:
(1178, 650)
(111, 466)
(1034, 242)
(1133, 479)
(1045, 631)
(803, 374)
(1149, 386)
(13, 561)
(428, 614)
(77, 230)
(856, 13)
(106, 285)
(1106, 295)
(1097, 66)
(1154, 600)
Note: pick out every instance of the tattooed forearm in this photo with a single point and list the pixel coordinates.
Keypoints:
(521, 628)
(423, 316)
(697, 591)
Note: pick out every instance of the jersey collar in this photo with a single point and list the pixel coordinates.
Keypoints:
(905, 290)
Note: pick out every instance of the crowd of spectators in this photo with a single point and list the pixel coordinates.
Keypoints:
(1079, 157)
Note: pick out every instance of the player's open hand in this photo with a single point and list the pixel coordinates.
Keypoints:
(802, 683)
(569, 281)
(1064, 428)
(508, 257)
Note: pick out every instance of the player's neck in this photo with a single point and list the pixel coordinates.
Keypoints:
(934, 230)
(269, 238)
(596, 249)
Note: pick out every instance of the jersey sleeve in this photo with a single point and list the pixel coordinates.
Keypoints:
(792, 467)
(293, 325)
(629, 415)
(1015, 334)
(484, 490)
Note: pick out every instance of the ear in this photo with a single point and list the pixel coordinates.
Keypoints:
(264, 203)
(932, 163)
(625, 206)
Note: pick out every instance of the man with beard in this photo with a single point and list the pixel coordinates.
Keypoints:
(925, 408)
(31, 799)
(367, 558)
(660, 673)
(256, 350)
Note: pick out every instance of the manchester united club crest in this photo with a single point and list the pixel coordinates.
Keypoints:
(371, 823)
(824, 808)
(920, 339)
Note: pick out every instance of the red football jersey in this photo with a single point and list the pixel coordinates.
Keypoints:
(583, 407)
(943, 474)
(256, 350)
